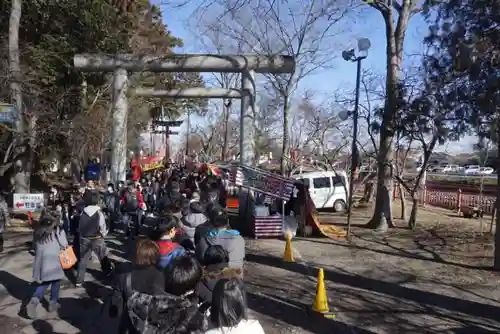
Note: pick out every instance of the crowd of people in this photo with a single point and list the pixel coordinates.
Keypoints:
(187, 274)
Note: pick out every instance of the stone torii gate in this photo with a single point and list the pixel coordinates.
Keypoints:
(120, 65)
(246, 115)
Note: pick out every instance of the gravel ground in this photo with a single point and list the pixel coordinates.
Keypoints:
(433, 280)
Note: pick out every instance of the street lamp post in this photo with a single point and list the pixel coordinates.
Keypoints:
(188, 131)
(353, 56)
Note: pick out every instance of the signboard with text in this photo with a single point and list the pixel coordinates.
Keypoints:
(263, 182)
(28, 202)
(7, 113)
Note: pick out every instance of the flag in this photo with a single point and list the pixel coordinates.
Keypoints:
(237, 176)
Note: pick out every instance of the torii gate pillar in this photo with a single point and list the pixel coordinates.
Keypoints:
(247, 118)
(120, 64)
(119, 128)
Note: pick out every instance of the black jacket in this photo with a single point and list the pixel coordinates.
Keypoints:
(166, 314)
(212, 275)
(112, 202)
(147, 280)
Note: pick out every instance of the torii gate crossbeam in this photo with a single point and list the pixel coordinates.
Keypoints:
(122, 64)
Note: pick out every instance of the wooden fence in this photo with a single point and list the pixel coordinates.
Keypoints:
(455, 199)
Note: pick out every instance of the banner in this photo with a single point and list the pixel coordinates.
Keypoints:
(261, 181)
(152, 163)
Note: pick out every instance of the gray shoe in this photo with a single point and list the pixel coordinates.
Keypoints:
(31, 308)
(53, 306)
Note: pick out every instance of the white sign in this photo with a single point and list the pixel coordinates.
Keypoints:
(28, 202)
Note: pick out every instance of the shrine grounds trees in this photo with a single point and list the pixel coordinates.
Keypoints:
(67, 111)
(304, 30)
(465, 68)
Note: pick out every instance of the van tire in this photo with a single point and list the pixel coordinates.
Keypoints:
(339, 206)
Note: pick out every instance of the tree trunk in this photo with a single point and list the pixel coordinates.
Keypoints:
(31, 165)
(22, 178)
(496, 264)
(14, 63)
(412, 222)
(284, 147)
(368, 192)
(395, 35)
(382, 217)
(402, 199)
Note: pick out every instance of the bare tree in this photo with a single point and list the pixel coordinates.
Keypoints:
(301, 29)
(396, 15)
(419, 127)
(212, 133)
(267, 123)
(22, 180)
(316, 129)
(214, 40)
(424, 122)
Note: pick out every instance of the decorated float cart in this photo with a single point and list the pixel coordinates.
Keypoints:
(255, 198)
(263, 204)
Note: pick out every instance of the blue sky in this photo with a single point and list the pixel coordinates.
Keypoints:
(342, 74)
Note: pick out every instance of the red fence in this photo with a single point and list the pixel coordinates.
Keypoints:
(455, 199)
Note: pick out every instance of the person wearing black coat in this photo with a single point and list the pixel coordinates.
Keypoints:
(112, 206)
(216, 267)
(144, 278)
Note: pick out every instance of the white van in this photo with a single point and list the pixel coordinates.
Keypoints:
(328, 189)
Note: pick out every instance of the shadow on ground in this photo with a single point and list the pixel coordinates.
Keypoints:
(43, 327)
(297, 314)
(398, 251)
(384, 302)
(15, 287)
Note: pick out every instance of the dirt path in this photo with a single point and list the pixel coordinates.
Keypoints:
(428, 281)
(425, 281)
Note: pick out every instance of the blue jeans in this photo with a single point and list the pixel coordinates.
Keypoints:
(55, 287)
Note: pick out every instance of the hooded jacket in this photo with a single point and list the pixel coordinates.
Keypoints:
(232, 242)
(168, 251)
(194, 218)
(213, 274)
(92, 223)
(166, 314)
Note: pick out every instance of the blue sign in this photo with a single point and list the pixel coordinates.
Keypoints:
(93, 172)
(7, 113)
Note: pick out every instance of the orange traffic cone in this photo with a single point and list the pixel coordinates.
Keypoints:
(321, 300)
(288, 256)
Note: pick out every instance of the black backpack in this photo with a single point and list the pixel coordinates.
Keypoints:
(131, 201)
(116, 302)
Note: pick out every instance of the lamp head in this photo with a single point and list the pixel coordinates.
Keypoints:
(343, 115)
(364, 44)
(348, 55)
